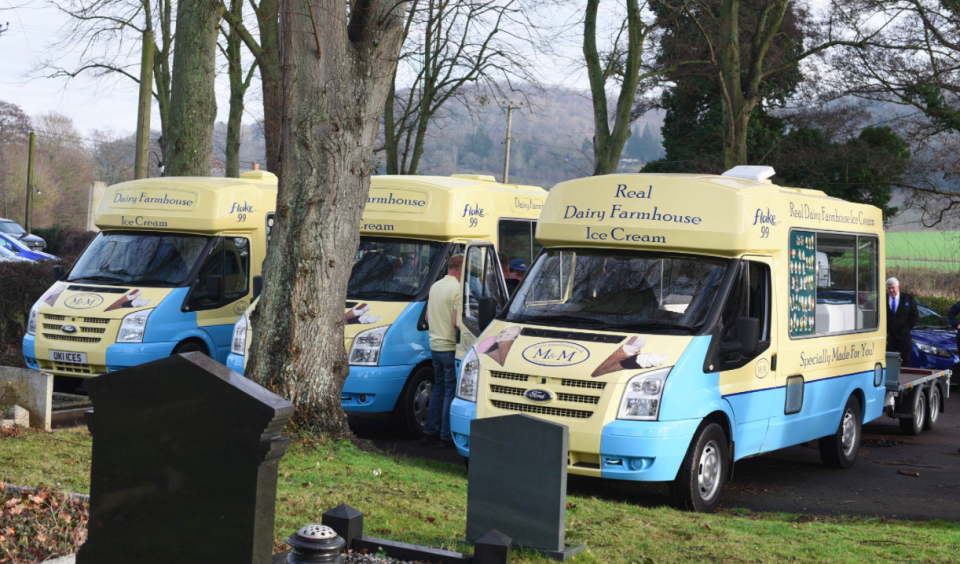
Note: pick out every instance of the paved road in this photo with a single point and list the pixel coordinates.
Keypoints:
(793, 480)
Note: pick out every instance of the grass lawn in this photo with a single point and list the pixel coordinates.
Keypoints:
(424, 502)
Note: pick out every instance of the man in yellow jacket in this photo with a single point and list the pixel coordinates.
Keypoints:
(442, 307)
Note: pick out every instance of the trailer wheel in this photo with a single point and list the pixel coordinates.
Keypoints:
(699, 483)
(840, 449)
(410, 413)
(918, 407)
(933, 410)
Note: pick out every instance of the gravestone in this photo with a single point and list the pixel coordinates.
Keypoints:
(518, 482)
(185, 456)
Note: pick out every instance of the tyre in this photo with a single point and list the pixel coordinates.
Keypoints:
(918, 407)
(410, 413)
(934, 400)
(190, 346)
(703, 472)
(840, 449)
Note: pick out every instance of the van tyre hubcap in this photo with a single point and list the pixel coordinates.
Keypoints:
(703, 474)
(421, 402)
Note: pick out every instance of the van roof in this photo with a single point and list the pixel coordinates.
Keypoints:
(446, 207)
(191, 204)
(722, 215)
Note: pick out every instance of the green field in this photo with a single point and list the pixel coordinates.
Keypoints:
(424, 502)
(938, 250)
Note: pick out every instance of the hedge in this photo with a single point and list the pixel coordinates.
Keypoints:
(23, 284)
(64, 242)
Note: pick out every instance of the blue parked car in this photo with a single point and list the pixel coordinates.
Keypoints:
(7, 255)
(13, 229)
(934, 341)
(16, 246)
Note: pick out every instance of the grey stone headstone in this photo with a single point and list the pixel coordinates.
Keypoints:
(518, 480)
(185, 457)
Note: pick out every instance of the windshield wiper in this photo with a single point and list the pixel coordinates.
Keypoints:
(640, 327)
(377, 294)
(155, 281)
(97, 278)
(561, 319)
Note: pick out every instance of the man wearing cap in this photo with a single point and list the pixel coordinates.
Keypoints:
(902, 316)
(517, 270)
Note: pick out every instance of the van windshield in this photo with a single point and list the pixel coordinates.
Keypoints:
(618, 291)
(162, 259)
(392, 270)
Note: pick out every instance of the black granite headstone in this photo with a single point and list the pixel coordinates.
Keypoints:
(518, 480)
(492, 548)
(185, 456)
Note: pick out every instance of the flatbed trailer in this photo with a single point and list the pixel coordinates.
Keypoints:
(915, 395)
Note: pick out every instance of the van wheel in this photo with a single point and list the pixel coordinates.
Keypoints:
(840, 449)
(703, 473)
(933, 409)
(410, 413)
(190, 346)
(918, 407)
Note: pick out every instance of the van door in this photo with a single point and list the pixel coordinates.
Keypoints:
(482, 277)
(748, 383)
(230, 259)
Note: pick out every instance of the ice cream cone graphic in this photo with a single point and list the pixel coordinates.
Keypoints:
(50, 297)
(131, 299)
(627, 350)
(354, 315)
(504, 342)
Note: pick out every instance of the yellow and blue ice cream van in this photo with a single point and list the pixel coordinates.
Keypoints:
(176, 262)
(411, 225)
(678, 323)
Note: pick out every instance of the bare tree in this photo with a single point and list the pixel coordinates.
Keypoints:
(740, 75)
(113, 155)
(193, 102)
(335, 83)
(239, 83)
(450, 45)
(107, 35)
(913, 65)
(265, 48)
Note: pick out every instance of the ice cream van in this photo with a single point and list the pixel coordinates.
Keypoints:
(679, 323)
(411, 225)
(175, 264)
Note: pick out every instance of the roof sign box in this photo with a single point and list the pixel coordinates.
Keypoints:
(755, 173)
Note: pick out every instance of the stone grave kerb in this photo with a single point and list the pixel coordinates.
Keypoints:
(185, 459)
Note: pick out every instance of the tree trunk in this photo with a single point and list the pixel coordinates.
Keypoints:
(235, 116)
(389, 130)
(269, 63)
(331, 112)
(193, 105)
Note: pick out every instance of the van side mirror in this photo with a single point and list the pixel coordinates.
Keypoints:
(487, 311)
(748, 338)
(214, 289)
(257, 286)
(57, 272)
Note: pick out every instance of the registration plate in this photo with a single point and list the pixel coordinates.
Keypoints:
(69, 357)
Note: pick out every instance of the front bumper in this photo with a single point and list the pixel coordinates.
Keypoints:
(374, 389)
(642, 451)
(462, 412)
(235, 363)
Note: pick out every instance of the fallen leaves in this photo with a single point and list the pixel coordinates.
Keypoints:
(41, 524)
(911, 474)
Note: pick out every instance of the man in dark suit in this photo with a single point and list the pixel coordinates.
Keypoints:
(902, 316)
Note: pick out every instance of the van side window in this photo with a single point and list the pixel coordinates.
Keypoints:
(480, 269)
(834, 283)
(229, 258)
(515, 238)
(213, 265)
(750, 297)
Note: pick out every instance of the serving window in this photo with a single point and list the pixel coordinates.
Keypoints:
(834, 283)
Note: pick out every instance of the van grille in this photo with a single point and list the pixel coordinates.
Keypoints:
(72, 339)
(100, 330)
(566, 382)
(73, 368)
(52, 327)
(577, 398)
(509, 376)
(542, 410)
(583, 384)
(53, 317)
(506, 390)
(100, 320)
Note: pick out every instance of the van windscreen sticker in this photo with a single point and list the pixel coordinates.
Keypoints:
(50, 298)
(359, 315)
(498, 346)
(628, 357)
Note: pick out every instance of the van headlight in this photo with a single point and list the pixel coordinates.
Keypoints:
(933, 350)
(469, 376)
(641, 399)
(239, 345)
(133, 326)
(365, 350)
(32, 322)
